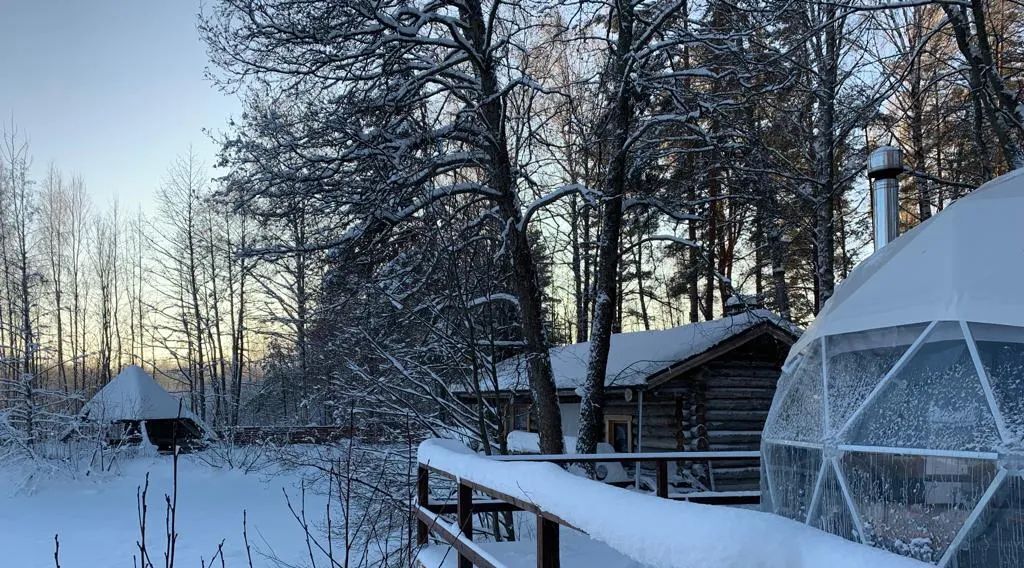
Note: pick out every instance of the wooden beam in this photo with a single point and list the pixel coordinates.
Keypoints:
(547, 543)
(522, 504)
(479, 506)
(450, 534)
(634, 457)
(422, 498)
(460, 535)
(464, 513)
(725, 500)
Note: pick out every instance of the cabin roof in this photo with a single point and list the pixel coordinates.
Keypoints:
(636, 357)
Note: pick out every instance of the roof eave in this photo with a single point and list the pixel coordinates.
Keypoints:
(662, 376)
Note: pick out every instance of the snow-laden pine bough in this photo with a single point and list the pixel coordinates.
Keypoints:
(642, 528)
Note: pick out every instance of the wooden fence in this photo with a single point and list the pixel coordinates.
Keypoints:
(430, 514)
(282, 435)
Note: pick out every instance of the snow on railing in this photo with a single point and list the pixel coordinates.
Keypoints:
(653, 531)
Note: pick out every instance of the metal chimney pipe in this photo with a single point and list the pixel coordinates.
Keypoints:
(885, 165)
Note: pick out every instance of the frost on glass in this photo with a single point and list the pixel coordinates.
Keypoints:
(935, 401)
(911, 425)
(914, 505)
(792, 473)
(996, 539)
(1001, 349)
(856, 364)
(798, 415)
(831, 512)
(766, 491)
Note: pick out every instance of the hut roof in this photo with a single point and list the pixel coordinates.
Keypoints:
(134, 395)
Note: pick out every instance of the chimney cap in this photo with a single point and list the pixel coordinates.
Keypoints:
(885, 162)
(739, 303)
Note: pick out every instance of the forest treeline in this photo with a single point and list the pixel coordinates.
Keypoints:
(417, 190)
(89, 288)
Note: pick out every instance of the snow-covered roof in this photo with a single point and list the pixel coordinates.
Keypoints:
(741, 300)
(134, 395)
(635, 356)
(962, 264)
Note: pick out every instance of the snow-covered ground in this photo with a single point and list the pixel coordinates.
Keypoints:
(577, 550)
(97, 519)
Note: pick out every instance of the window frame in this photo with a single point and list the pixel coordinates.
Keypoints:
(610, 420)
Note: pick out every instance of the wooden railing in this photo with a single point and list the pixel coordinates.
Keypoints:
(430, 514)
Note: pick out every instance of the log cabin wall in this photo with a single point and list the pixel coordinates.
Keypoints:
(719, 405)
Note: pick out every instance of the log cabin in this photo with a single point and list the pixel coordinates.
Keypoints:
(698, 387)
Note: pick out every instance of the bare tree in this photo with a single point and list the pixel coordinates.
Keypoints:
(183, 261)
(447, 70)
(55, 216)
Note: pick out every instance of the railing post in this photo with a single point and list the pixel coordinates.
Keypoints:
(547, 543)
(661, 477)
(465, 515)
(422, 499)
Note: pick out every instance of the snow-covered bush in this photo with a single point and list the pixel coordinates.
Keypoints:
(248, 458)
(368, 488)
(42, 437)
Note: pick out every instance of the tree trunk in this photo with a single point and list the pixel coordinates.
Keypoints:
(524, 270)
(997, 101)
(915, 117)
(826, 190)
(592, 403)
(693, 257)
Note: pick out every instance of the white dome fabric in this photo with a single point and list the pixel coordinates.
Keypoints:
(899, 417)
(962, 264)
(134, 395)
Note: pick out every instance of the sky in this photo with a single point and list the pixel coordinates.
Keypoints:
(111, 90)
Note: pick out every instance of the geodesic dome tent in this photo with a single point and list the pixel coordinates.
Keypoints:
(899, 417)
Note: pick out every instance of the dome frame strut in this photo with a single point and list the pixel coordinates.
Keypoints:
(896, 368)
(972, 519)
(986, 384)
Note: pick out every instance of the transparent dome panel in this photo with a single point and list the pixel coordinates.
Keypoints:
(792, 472)
(766, 491)
(914, 505)
(1001, 349)
(857, 362)
(996, 539)
(831, 512)
(799, 416)
(935, 401)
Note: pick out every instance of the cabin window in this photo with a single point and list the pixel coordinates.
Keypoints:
(618, 431)
(521, 419)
